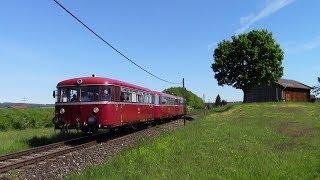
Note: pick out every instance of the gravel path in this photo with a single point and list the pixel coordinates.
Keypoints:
(76, 161)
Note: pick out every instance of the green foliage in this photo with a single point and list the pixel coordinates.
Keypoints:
(25, 118)
(192, 100)
(248, 60)
(242, 142)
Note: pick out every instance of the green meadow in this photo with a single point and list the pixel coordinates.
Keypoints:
(244, 141)
(19, 119)
(22, 129)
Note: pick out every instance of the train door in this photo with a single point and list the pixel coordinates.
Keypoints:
(115, 108)
(70, 96)
(157, 110)
(150, 108)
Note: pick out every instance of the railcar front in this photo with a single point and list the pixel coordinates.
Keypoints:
(85, 107)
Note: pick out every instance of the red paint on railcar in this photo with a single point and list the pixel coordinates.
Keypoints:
(96, 102)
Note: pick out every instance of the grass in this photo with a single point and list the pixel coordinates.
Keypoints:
(17, 140)
(247, 141)
(25, 118)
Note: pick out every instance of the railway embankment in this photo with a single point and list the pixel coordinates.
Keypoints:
(247, 141)
(97, 153)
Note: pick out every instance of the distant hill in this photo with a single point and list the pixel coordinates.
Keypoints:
(23, 105)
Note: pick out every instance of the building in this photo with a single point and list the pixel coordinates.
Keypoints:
(283, 90)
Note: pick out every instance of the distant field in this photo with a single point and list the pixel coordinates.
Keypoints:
(248, 141)
(19, 119)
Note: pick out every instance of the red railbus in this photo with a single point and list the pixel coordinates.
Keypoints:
(92, 103)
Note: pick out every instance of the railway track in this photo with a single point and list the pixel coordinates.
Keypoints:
(31, 156)
(27, 157)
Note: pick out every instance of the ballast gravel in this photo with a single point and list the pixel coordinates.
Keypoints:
(60, 167)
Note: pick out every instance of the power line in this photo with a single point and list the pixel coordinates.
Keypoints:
(111, 46)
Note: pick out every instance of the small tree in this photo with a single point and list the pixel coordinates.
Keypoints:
(218, 101)
(248, 60)
(316, 89)
(224, 102)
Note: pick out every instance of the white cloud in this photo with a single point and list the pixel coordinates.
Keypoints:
(271, 7)
(295, 47)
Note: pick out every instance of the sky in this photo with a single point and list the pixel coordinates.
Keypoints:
(41, 45)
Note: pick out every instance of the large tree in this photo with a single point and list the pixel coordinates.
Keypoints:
(248, 60)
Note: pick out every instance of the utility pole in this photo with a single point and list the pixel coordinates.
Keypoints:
(24, 100)
(184, 102)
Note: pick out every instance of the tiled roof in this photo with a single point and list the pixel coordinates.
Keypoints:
(292, 84)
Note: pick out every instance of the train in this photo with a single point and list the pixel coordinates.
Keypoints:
(92, 103)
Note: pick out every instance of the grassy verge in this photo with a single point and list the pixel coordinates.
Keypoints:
(25, 118)
(249, 141)
(17, 140)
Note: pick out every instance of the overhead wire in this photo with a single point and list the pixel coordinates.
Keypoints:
(111, 46)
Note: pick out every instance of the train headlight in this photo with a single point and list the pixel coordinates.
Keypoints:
(92, 121)
(62, 111)
(95, 110)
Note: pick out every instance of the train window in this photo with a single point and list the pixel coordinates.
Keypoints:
(153, 99)
(149, 98)
(170, 100)
(146, 98)
(140, 97)
(122, 96)
(177, 101)
(106, 93)
(115, 93)
(126, 95)
(68, 94)
(156, 99)
(89, 94)
(163, 100)
(134, 96)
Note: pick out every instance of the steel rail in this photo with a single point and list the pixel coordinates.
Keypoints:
(47, 147)
(20, 159)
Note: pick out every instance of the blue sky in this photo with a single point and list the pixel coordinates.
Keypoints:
(41, 45)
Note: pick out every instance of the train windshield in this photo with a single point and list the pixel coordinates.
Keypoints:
(84, 94)
(68, 94)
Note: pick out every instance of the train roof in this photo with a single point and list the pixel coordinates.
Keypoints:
(82, 81)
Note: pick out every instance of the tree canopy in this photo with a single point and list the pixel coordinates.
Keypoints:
(192, 100)
(248, 60)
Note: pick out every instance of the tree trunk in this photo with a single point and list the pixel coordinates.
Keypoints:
(245, 98)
